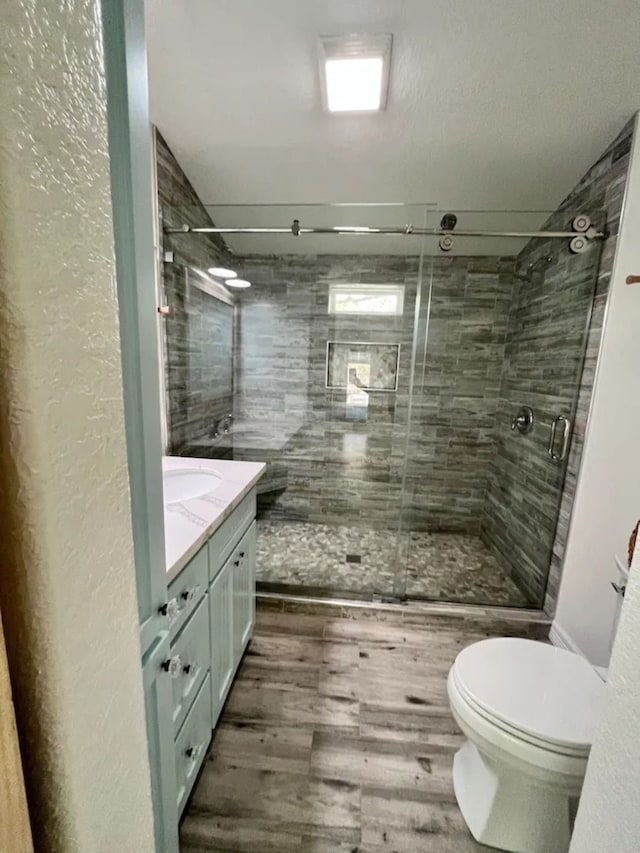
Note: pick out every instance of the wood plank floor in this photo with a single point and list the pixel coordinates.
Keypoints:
(337, 737)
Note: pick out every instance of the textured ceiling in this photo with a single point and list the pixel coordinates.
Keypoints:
(493, 104)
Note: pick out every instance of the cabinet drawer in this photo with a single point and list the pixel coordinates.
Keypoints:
(192, 742)
(188, 588)
(192, 650)
(224, 539)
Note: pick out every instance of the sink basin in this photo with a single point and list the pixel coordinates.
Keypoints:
(182, 485)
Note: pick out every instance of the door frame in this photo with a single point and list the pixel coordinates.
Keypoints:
(132, 190)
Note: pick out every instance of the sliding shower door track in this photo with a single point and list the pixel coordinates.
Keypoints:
(410, 607)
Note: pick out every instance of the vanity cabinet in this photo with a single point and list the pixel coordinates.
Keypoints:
(211, 608)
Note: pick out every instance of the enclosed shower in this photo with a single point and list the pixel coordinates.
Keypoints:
(411, 375)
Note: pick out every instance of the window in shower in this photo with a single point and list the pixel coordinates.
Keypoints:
(366, 299)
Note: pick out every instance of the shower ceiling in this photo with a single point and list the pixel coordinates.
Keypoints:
(492, 105)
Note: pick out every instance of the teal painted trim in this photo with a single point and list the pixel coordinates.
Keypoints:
(130, 148)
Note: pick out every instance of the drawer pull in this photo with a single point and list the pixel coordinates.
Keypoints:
(193, 752)
(172, 666)
(190, 594)
(170, 609)
(236, 562)
(241, 553)
(188, 668)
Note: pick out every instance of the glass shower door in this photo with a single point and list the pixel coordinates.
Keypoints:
(505, 332)
(322, 376)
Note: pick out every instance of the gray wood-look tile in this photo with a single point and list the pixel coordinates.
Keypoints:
(337, 737)
(206, 833)
(262, 746)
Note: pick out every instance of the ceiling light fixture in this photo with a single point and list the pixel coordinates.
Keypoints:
(237, 282)
(354, 72)
(222, 272)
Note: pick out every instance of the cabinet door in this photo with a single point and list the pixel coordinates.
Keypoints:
(244, 589)
(221, 611)
(159, 713)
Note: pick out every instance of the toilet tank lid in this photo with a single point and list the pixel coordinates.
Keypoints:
(547, 692)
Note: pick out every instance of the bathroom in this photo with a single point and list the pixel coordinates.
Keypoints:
(351, 432)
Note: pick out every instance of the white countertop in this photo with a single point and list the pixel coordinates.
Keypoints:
(189, 523)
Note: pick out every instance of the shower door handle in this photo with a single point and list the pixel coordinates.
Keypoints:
(566, 429)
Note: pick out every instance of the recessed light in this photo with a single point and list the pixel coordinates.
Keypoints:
(222, 272)
(238, 282)
(354, 72)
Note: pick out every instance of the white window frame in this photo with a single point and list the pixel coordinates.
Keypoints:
(396, 290)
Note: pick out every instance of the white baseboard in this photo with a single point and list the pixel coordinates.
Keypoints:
(560, 638)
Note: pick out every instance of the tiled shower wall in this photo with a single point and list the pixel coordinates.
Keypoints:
(346, 471)
(548, 320)
(460, 448)
(456, 387)
(198, 331)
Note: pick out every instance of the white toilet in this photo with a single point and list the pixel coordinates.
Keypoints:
(528, 710)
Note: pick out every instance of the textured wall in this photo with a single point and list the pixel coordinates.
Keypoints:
(198, 339)
(608, 819)
(350, 471)
(67, 586)
(543, 368)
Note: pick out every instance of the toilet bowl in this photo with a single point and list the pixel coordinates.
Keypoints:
(528, 711)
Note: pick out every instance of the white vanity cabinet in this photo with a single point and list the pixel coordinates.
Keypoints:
(211, 605)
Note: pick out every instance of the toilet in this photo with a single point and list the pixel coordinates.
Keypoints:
(529, 711)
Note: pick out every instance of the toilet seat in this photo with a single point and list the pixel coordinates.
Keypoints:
(546, 696)
(458, 695)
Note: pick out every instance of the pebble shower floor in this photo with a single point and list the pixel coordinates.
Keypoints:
(440, 566)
